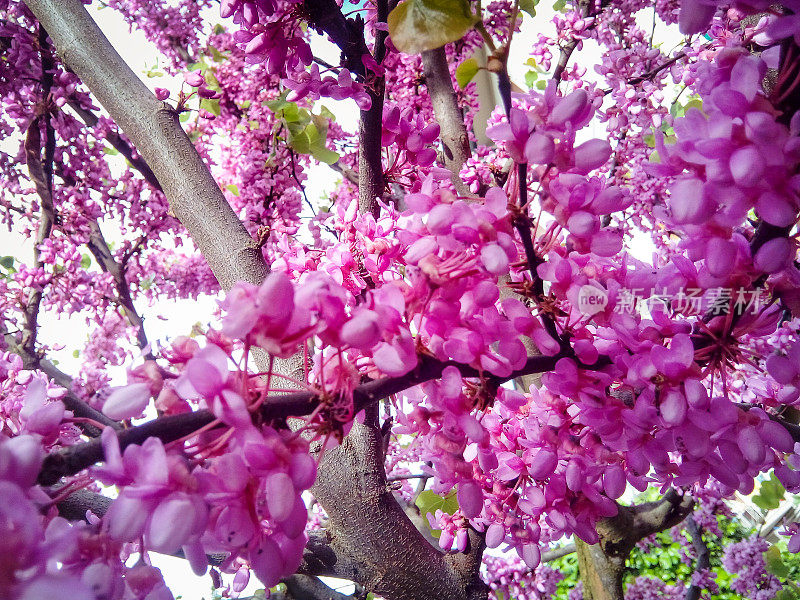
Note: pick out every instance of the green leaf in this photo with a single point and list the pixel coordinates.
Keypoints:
(429, 502)
(211, 106)
(541, 84)
(530, 78)
(110, 151)
(311, 140)
(232, 189)
(419, 25)
(770, 494)
(212, 82)
(7, 262)
(774, 562)
(324, 155)
(695, 103)
(76, 353)
(278, 104)
(86, 261)
(529, 6)
(466, 71)
(216, 54)
(560, 5)
(325, 113)
(184, 116)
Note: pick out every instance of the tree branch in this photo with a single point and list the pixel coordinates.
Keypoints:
(118, 143)
(74, 459)
(567, 49)
(557, 553)
(41, 173)
(652, 517)
(602, 565)
(102, 253)
(703, 556)
(348, 34)
(74, 506)
(153, 127)
(411, 476)
(455, 140)
(371, 184)
(346, 172)
(71, 401)
(305, 587)
(370, 540)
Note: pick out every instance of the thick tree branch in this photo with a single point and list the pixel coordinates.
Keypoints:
(371, 183)
(455, 140)
(74, 506)
(602, 565)
(371, 541)
(153, 127)
(305, 587)
(652, 517)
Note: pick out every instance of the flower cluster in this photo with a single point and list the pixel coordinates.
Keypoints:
(541, 131)
(268, 34)
(746, 560)
(310, 84)
(513, 579)
(732, 158)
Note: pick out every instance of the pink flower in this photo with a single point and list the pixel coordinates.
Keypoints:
(194, 78)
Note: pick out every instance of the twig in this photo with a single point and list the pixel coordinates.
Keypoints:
(118, 143)
(703, 556)
(346, 172)
(557, 553)
(405, 477)
(41, 173)
(99, 248)
(74, 459)
(71, 400)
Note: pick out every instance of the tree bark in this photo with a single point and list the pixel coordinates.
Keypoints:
(601, 573)
(453, 133)
(372, 541)
(153, 127)
(602, 565)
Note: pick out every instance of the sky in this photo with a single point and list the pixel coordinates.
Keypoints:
(176, 317)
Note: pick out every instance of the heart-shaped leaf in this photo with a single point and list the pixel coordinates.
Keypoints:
(419, 25)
